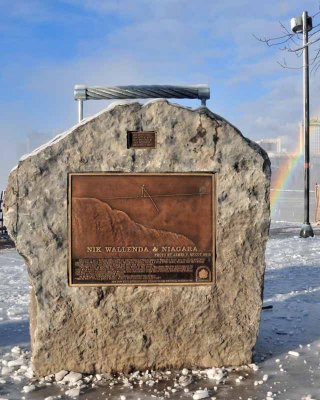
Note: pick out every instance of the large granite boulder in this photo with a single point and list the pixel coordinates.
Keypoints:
(94, 329)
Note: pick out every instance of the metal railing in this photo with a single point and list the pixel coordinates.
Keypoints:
(82, 93)
(3, 229)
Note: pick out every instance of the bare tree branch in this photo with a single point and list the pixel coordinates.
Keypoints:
(314, 15)
(315, 66)
(290, 42)
(313, 33)
(316, 69)
(292, 35)
(307, 44)
(269, 42)
(284, 65)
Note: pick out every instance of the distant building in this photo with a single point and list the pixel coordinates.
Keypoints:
(314, 136)
(272, 145)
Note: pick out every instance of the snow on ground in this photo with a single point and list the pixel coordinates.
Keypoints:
(14, 287)
(287, 361)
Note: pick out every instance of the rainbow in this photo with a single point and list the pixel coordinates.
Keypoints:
(283, 175)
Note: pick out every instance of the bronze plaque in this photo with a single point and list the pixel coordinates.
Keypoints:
(141, 139)
(141, 229)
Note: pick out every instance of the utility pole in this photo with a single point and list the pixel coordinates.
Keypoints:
(303, 25)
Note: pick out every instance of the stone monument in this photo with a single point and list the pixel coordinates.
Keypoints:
(143, 229)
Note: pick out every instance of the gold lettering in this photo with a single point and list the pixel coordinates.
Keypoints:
(178, 249)
(123, 249)
(93, 249)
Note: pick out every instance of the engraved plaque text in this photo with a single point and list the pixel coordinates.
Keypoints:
(141, 139)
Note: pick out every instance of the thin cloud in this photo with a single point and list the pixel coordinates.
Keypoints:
(112, 42)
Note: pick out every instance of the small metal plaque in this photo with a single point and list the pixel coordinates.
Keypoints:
(141, 139)
(141, 229)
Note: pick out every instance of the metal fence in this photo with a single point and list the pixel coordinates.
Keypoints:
(3, 229)
(289, 205)
(317, 205)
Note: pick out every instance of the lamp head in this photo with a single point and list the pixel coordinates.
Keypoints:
(297, 24)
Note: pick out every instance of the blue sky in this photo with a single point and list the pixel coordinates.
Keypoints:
(50, 45)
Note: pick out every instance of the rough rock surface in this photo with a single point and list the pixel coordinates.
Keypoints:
(88, 329)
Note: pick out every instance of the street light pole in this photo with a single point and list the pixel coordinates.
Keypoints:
(304, 24)
(306, 229)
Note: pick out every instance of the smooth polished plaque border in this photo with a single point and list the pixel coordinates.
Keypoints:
(141, 229)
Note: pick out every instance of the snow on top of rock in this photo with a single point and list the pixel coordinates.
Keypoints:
(28, 388)
(72, 377)
(60, 375)
(201, 394)
(75, 392)
(110, 107)
(293, 353)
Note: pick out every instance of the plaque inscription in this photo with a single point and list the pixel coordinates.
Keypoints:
(141, 139)
(141, 229)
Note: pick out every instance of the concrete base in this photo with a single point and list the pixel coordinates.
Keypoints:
(306, 231)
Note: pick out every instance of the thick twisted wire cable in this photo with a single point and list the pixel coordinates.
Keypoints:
(142, 92)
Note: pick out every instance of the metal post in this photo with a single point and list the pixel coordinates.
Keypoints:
(306, 229)
(80, 110)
